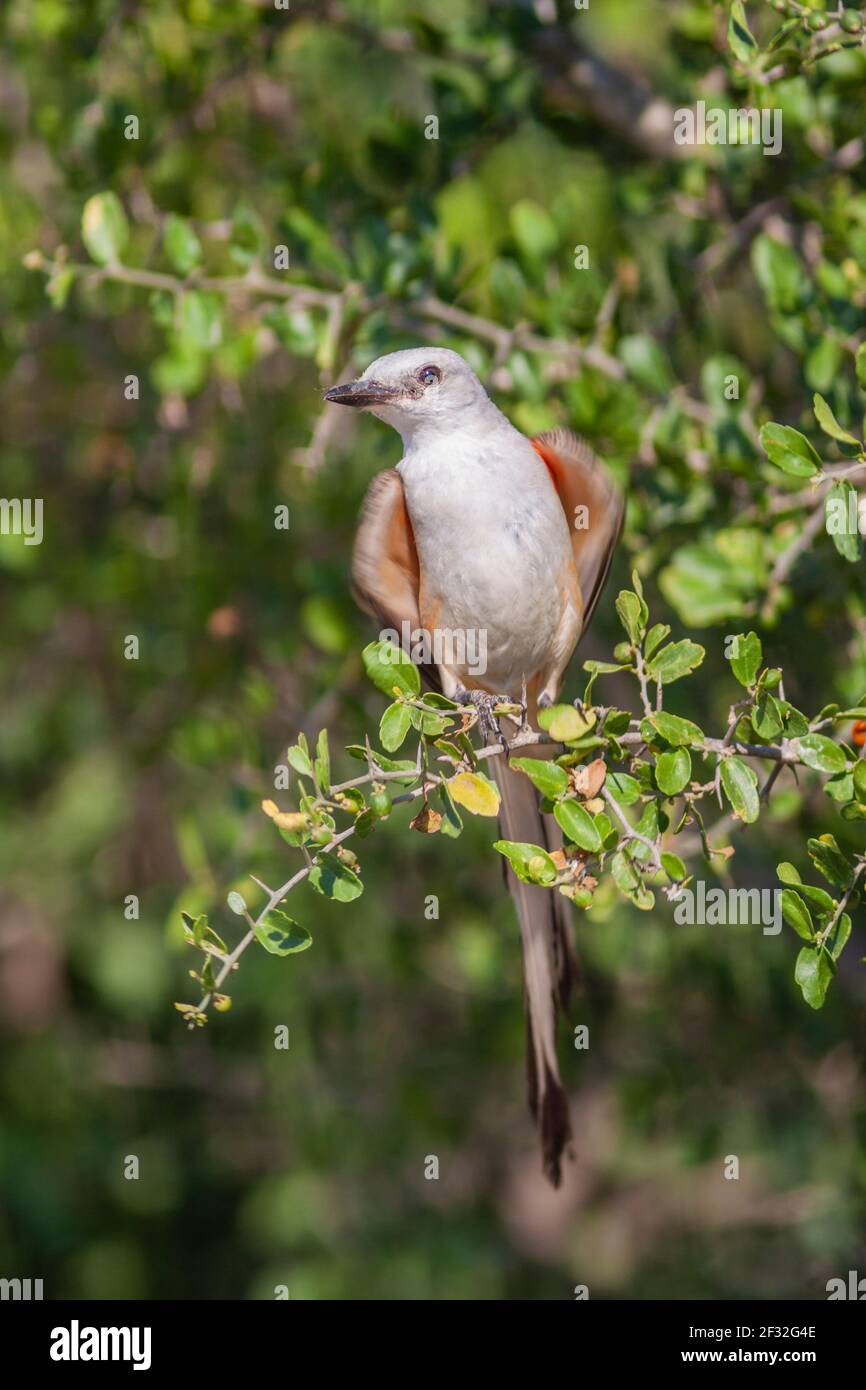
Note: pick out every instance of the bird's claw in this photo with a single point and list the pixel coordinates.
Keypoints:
(490, 709)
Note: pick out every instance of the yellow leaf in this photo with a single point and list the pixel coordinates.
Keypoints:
(284, 820)
(476, 792)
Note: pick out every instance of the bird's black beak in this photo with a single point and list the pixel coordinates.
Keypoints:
(361, 393)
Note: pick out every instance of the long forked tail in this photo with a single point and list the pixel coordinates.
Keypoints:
(549, 965)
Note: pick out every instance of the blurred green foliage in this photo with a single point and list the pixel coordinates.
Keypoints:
(259, 128)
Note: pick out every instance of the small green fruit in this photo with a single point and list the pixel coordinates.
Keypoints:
(380, 801)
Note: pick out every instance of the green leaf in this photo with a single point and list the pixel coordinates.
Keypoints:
(534, 230)
(674, 730)
(564, 723)
(394, 726)
(623, 788)
(299, 758)
(237, 904)
(550, 779)
(648, 825)
(829, 860)
(281, 935)
(578, 825)
(646, 362)
(818, 897)
(182, 246)
(476, 792)
(391, 670)
(625, 875)
(786, 873)
(675, 660)
(859, 779)
(331, 877)
(181, 371)
(860, 365)
(841, 935)
(616, 722)
(654, 638)
(797, 914)
(632, 613)
(649, 734)
(821, 367)
(530, 863)
(200, 319)
(829, 424)
(822, 753)
(813, 974)
(247, 243)
(104, 228)
(673, 770)
(427, 722)
(407, 765)
(506, 280)
(322, 765)
(740, 39)
(452, 824)
(767, 717)
(673, 867)
(321, 247)
(605, 828)
(604, 668)
(296, 329)
(796, 723)
(780, 274)
(707, 580)
(741, 788)
(431, 699)
(202, 933)
(746, 656)
(840, 787)
(628, 881)
(789, 450)
(58, 286)
(842, 519)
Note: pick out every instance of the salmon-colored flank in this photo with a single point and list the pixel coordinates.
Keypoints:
(551, 460)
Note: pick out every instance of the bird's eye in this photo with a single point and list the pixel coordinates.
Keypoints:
(427, 375)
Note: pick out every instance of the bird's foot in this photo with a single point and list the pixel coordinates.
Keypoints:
(490, 709)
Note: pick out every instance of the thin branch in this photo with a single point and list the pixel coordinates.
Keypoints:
(841, 905)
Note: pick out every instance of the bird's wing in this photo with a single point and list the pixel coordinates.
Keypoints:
(385, 572)
(582, 480)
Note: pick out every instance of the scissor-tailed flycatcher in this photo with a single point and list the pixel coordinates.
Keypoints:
(477, 530)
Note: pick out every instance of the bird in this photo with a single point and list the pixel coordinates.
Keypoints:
(476, 529)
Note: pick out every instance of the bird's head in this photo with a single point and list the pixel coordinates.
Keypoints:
(425, 388)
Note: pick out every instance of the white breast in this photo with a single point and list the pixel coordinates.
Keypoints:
(493, 546)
